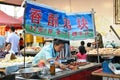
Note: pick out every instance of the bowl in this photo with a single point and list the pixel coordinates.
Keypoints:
(29, 72)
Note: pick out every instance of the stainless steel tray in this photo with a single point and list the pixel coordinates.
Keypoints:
(21, 78)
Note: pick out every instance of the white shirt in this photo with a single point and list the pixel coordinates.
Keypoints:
(14, 40)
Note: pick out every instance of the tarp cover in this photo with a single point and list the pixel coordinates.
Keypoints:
(9, 21)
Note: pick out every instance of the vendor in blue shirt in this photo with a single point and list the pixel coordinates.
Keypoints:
(50, 52)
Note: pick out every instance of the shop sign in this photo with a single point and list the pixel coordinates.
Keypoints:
(42, 20)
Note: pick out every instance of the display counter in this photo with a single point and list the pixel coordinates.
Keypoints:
(104, 51)
(93, 58)
(83, 73)
(93, 55)
(111, 76)
(31, 51)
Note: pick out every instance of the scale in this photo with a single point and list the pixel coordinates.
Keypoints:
(106, 62)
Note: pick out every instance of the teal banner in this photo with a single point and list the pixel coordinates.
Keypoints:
(42, 20)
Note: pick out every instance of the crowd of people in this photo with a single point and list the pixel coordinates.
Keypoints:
(82, 50)
(51, 52)
(13, 43)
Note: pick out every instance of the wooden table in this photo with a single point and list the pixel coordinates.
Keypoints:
(99, 72)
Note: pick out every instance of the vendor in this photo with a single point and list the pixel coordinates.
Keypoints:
(6, 51)
(50, 52)
(98, 41)
(88, 47)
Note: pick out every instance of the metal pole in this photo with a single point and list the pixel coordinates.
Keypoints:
(115, 32)
(97, 48)
(24, 31)
(24, 48)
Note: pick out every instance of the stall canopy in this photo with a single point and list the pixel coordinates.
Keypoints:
(20, 19)
(9, 21)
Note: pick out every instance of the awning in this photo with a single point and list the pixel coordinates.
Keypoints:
(9, 21)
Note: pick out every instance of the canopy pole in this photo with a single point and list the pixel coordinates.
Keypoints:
(24, 31)
(97, 48)
(24, 47)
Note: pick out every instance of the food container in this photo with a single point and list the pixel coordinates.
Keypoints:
(39, 39)
(29, 38)
(29, 72)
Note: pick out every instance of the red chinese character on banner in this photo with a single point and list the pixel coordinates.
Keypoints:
(74, 34)
(49, 31)
(58, 32)
(40, 29)
(52, 20)
(67, 24)
(35, 16)
(82, 23)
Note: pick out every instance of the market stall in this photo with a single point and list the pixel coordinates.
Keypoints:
(7, 21)
(83, 73)
(11, 64)
(92, 54)
(56, 27)
(18, 61)
(60, 25)
(76, 70)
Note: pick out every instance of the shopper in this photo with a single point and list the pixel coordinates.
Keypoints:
(6, 51)
(50, 52)
(113, 44)
(21, 42)
(82, 43)
(13, 38)
(99, 40)
(81, 55)
(2, 43)
(108, 45)
(88, 48)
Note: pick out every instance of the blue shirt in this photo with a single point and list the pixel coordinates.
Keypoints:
(47, 52)
(2, 41)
